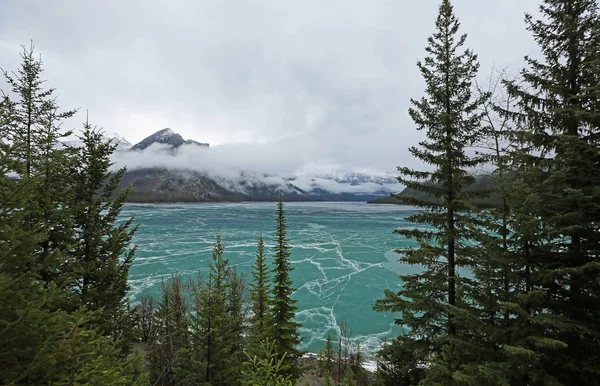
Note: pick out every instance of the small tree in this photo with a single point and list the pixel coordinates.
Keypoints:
(170, 334)
(284, 330)
(326, 358)
(147, 310)
(259, 295)
(267, 370)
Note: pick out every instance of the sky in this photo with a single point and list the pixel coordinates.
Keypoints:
(318, 84)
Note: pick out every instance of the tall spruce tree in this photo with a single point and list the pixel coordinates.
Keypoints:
(284, 328)
(102, 253)
(559, 108)
(259, 295)
(34, 107)
(40, 343)
(35, 129)
(432, 303)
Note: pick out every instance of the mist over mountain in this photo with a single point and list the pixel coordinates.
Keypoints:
(122, 143)
(166, 137)
(164, 167)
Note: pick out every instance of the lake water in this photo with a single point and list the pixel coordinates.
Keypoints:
(342, 255)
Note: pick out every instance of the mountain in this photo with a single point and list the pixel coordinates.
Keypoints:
(159, 184)
(483, 182)
(192, 142)
(122, 143)
(164, 185)
(167, 185)
(357, 178)
(170, 185)
(165, 137)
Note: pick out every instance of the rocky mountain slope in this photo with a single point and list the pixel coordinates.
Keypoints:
(165, 137)
(161, 184)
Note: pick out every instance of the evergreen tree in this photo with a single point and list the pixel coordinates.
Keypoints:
(328, 380)
(559, 109)
(432, 303)
(236, 323)
(217, 329)
(259, 295)
(284, 328)
(36, 115)
(170, 335)
(326, 356)
(39, 342)
(102, 255)
(35, 130)
(349, 379)
(268, 369)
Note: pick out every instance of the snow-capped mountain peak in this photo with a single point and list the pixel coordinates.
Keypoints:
(122, 143)
(165, 137)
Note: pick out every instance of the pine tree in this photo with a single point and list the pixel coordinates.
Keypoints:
(349, 379)
(326, 356)
(432, 303)
(103, 254)
(236, 323)
(259, 295)
(170, 335)
(284, 330)
(217, 328)
(559, 109)
(35, 113)
(35, 131)
(268, 368)
(39, 342)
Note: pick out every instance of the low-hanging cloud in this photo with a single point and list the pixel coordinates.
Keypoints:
(281, 85)
(239, 166)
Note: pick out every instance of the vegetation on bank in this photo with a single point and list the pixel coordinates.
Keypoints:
(528, 313)
(483, 182)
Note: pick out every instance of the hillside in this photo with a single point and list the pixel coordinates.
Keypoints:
(482, 182)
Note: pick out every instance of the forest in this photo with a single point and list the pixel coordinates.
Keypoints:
(509, 293)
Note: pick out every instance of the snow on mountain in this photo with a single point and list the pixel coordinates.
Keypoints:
(122, 143)
(357, 178)
(165, 137)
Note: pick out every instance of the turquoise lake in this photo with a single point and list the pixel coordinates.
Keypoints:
(342, 255)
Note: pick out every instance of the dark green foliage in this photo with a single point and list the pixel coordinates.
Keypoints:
(268, 369)
(217, 326)
(433, 303)
(326, 358)
(170, 334)
(558, 109)
(36, 119)
(41, 340)
(284, 328)
(101, 254)
(349, 379)
(34, 129)
(236, 328)
(402, 362)
(483, 182)
(328, 380)
(259, 295)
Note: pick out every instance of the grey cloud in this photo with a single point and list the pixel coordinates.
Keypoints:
(317, 81)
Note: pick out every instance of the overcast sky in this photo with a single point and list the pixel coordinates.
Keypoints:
(328, 79)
